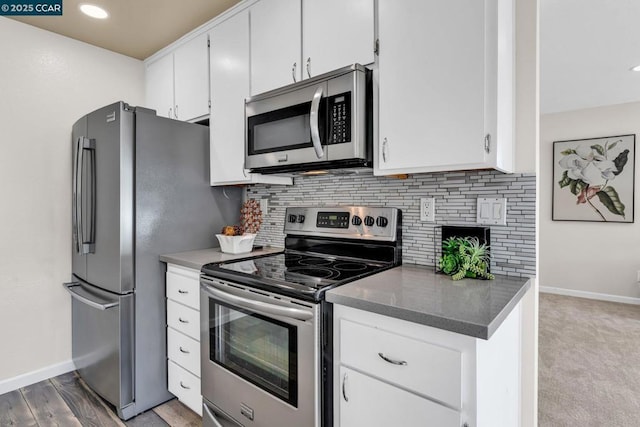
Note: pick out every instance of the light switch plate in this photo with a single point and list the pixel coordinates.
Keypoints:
(492, 211)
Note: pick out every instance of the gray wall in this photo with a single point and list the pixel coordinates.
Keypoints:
(455, 193)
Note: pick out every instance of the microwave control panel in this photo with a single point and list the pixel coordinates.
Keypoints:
(340, 118)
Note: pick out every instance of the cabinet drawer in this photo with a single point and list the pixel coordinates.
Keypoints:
(184, 351)
(185, 386)
(365, 401)
(183, 286)
(183, 319)
(425, 368)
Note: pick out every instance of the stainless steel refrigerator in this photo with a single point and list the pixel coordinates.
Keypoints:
(140, 189)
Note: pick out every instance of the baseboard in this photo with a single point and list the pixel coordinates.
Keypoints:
(590, 295)
(33, 377)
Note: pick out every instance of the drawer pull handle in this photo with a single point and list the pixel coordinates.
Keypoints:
(393, 362)
(182, 350)
(180, 291)
(184, 386)
(181, 320)
(344, 390)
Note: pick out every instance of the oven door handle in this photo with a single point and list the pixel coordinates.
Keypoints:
(258, 306)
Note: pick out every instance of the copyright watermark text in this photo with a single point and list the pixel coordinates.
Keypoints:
(27, 7)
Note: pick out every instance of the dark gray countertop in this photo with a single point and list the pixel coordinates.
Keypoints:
(196, 259)
(417, 294)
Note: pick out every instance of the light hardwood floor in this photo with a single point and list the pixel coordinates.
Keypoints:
(66, 401)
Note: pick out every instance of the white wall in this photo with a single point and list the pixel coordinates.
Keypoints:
(47, 82)
(588, 256)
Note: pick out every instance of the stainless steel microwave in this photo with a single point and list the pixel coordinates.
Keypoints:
(316, 124)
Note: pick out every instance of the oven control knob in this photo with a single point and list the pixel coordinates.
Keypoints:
(356, 220)
(382, 221)
(300, 218)
(368, 221)
(292, 218)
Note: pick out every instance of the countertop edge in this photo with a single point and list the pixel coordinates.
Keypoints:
(462, 327)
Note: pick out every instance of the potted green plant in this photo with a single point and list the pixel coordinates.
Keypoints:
(465, 257)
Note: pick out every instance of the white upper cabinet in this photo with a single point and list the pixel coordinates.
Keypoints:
(229, 68)
(445, 90)
(336, 33)
(191, 71)
(275, 44)
(297, 39)
(177, 83)
(159, 86)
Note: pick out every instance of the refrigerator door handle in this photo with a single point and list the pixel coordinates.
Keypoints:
(77, 202)
(84, 246)
(85, 300)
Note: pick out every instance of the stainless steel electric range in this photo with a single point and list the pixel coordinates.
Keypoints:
(266, 330)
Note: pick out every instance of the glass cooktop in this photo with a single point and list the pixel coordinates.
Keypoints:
(296, 271)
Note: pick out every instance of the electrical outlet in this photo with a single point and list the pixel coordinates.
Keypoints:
(264, 206)
(427, 209)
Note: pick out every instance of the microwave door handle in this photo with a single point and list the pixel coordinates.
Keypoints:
(314, 119)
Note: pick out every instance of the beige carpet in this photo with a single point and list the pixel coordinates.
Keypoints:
(589, 363)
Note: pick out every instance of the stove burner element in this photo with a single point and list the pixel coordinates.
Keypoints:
(319, 272)
(350, 266)
(315, 261)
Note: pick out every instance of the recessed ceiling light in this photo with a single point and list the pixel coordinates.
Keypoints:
(636, 68)
(94, 11)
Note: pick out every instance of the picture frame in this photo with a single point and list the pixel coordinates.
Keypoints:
(594, 179)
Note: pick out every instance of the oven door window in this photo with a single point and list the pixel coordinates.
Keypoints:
(259, 349)
(282, 130)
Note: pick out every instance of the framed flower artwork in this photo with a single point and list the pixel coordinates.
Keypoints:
(593, 179)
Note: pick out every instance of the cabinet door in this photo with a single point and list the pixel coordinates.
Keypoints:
(159, 86)
(275, 44)
(191, 65)
(431, 80)
(367, 402)
(229, 88)
(337, 33)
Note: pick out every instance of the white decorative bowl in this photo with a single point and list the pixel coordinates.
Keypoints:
(236, 244)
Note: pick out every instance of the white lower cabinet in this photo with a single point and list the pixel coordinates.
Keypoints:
(391, 372)
(183, 335)
(368, 402)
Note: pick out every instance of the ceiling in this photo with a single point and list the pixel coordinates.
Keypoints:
(586, 50)
(136, 28)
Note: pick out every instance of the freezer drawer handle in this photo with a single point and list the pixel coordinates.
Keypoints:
(100, 306)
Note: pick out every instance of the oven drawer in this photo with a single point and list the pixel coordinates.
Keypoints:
(183, 286)
(425, 368)
(183, 319)
(184, 351)
(185, 386)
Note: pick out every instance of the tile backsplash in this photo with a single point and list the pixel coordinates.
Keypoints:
(455, 193)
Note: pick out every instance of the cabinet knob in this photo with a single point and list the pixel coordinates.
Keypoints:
(309, 67)
(176, 111)
(293, 71)
(170, 113)
(487, 143)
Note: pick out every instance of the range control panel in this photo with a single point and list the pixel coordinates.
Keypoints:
(344, 221)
